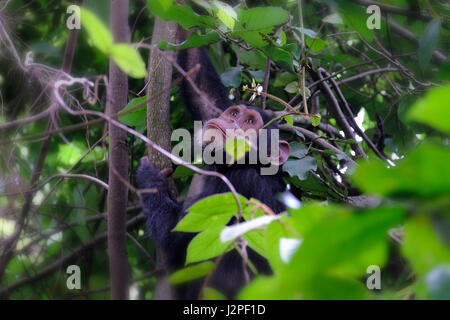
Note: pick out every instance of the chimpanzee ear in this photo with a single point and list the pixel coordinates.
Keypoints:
(284, 151)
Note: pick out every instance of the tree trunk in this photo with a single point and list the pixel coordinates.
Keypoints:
(158, 122)
(118, 162)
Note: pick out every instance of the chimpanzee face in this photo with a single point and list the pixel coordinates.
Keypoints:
(234, 118)
(239, 120)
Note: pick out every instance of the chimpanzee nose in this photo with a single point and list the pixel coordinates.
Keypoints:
(233, 121)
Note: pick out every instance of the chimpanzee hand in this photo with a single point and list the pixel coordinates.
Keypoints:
(160, 209)
(149, 177)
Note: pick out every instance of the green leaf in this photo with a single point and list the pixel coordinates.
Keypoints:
(251, 210)
(310, 33)
(431, 110)
(311, 214)
(254, 59)
(258, 75)
(215, 210)
(422, 246)
(336, 241)
(194, 40)
(232, 77)
(311, 184)
(138, 116)
(98, 32)
(428, 42)
(212, 294)
(357, 266)
(254, 25)
(183, 15)
(225, 13)
(315, 119)
(292, 87)
(256, 19)
(269, 288)
(191, 272)
(129, 60)
(298, 150)
(257, 39)
(236, 148)
(207, 245)
(282, 57)
(289, 120)
(255, 240)
(333, 18)
(182, 172)
(332, 287)
(315, 44)
(355, 17)
(283, 78)
(301, 167)
(294, 49)
(423, 172)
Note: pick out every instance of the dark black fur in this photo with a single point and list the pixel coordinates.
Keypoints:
(207, 80)
(163, 213)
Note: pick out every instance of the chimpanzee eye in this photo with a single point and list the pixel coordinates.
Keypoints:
(234, 113)
(250, 120)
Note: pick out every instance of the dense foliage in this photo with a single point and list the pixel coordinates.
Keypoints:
(377, 197)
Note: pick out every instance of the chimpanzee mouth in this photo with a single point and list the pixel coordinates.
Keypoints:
(212, 126)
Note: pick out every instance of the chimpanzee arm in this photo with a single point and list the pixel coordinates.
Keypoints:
(162, 213)
(207, 81)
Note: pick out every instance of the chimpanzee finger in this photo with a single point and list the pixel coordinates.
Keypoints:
(167, 172)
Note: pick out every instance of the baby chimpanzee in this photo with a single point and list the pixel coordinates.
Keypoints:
(163, 213)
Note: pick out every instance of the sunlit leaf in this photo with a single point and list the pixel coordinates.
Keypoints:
(207, 245)
(337, 241)
(422, 246)
(255, 240)
(423, 172)
(289, 120)
(432, 109)
(98, 32)
(315, 119)
(129, 60)
(212, 294)
(191, 272)
(225, 13)
(236, 148)
(215, 210)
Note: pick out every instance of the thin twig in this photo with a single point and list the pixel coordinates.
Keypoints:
(266, 82)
